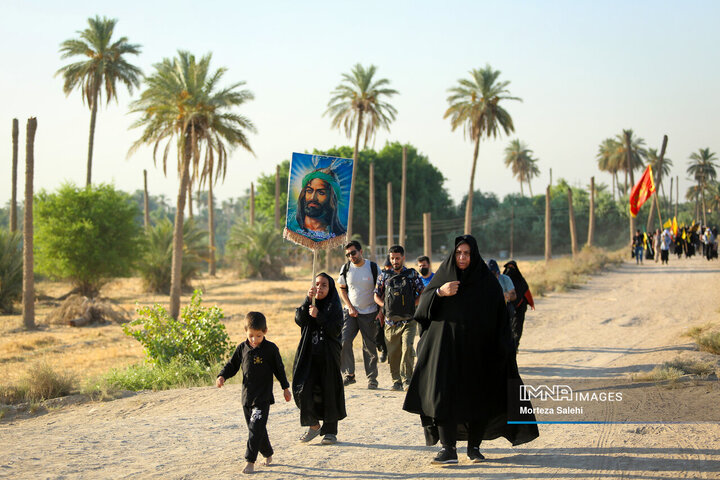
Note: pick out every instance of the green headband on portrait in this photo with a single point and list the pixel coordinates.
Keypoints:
(329, 179)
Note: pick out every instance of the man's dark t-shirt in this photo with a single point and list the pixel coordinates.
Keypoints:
(258, 364)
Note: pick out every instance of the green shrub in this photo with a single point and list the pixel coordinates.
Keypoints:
(178, 372)
(156, 264)
(257, 251)
(87, 235)
(11, 269)
(198, 334)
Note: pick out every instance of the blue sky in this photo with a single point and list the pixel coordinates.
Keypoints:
(584, 70)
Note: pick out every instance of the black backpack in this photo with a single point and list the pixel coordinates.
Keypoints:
(400, 295)
(373, 269)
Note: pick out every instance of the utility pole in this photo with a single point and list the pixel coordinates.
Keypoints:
(403, 192)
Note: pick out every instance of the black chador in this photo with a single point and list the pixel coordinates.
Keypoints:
(466, 365)
(317, 383)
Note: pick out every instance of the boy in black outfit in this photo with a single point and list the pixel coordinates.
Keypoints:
(260, 360)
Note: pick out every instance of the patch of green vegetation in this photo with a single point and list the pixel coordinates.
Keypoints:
(40, 383)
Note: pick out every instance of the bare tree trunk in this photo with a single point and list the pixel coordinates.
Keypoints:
(146, 201)
(176, 271)
(13, 195)
(468, 204)
(591, 220)
(390, 233)
(657, 175)
(427, 235)
(677, 193)
(671, 192)
(702, 195)
(211, 223)
(252, 204)
(371, 234)
(548, 219)
(91, 140)
(277, 197)
(573, 231)
(356, 152)
(403, 193)
(627, 162)
(512, 230)
(530, 187)
(651, 215)
(28, 259)
(522, 194)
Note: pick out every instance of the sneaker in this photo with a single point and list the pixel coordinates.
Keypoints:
(329, 439)
(349, 380)
(397, 386)
(445, 456)
(382, 357)
(474, 455)
(309, 435)
(372, 385)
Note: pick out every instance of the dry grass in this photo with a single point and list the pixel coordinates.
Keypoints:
(40, 383)
(564, 273)
(675, 369)
(88, 352)
(706, 336)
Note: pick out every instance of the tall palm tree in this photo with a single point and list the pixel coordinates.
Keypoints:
(102, 66)
(358, 104)
(608, 161)
(637, 154)
(183, 104)
(704, 169)
(475, 105)
(520, 160)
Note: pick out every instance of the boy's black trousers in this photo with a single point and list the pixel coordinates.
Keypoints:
(258, 440)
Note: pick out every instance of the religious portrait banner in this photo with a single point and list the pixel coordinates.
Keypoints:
(318, 200)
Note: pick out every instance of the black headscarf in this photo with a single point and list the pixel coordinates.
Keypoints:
(332, 299)
(511, 270)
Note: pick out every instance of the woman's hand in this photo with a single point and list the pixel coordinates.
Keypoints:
(313, 311)
(448, 289)
(312, 292)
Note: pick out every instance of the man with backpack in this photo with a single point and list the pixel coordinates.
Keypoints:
(398, 292)
(357, 282)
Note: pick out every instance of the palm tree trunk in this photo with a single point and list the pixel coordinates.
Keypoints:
(146, 201)
(591, 220)
(628, 169)
(28, 259)
(356, 152)
(371, 233)
(176, 272)
(522, 194)
(211, 224)
(529, 187)
(468, 204)
(548, 225)
(190, 200)
(91, 140)
(573, 231)
(702, 195)
(390, 233)
(13, 195)
(252, 204)
(403, 194)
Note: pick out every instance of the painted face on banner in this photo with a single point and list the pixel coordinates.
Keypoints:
(317, 198)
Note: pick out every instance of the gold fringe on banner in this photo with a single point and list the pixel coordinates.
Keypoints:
(302, 240)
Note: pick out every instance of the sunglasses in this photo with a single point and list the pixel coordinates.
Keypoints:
(351, 254)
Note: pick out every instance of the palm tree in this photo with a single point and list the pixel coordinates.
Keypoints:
(103, 65)
(608, 161)
(714, 194)
(704, 169)
(637, 154)
(357, 104)
(182, 102)
(475, 105)
(519, 158)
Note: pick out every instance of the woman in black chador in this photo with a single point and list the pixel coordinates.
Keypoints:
(466, 359)
(317, 383)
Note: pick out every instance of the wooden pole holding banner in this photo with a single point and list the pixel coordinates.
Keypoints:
(403, 191)
(312, 282)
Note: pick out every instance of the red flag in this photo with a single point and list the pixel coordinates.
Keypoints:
(642, 191)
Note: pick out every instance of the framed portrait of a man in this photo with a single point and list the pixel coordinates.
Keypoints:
(318, 200)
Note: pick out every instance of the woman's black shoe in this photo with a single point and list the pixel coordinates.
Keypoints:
(445, 456)
(474, 455)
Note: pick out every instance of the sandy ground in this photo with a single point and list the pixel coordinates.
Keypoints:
(626, 320)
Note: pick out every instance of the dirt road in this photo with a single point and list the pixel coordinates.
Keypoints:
(626, 320)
